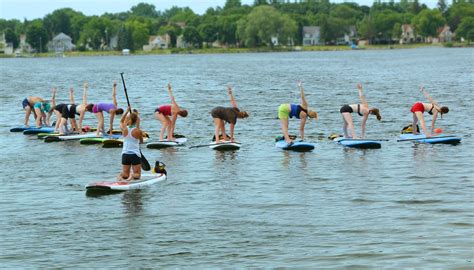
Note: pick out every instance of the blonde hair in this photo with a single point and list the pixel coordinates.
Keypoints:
(312, 114)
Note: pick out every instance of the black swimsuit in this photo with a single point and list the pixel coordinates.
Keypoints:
(348, 109)
(431, 110)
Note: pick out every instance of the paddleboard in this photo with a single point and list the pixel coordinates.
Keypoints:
(77, 137)
(166, 144)
(35, 130)
(23, 128)
(111, 186)
(112, 143)
(432, 140)
(224, 146)
(92, 140)
(358, 143)
(298, 146)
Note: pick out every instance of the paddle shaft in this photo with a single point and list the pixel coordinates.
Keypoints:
(125, 90)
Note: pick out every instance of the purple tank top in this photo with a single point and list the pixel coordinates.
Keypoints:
(104, 107)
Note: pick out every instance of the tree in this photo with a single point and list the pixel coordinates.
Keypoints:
(384, 22)
(144, 10)
(428, 21)
(347, 13)
(208, 32)
(125, 39)
(263, 23)
(37, 36)
(466, 29)
(442, 6)
(232, 4)
(366, 28)
(11, 37)
(457, 12)
(173, 30)
(95, 33)
(139, 32)
(191, 36)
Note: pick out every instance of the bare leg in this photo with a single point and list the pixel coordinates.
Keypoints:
(38, 118)
(222, 129)
(344, 127)
(350, 124)
(137, 171)
(217, 128)
(125, 174)
(284, 128)
(413, 125)
(164, 124)
(420, 117)
(62, 125)
(100, 125)
(27, 115)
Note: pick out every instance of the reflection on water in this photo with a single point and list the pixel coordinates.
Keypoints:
(132, 202)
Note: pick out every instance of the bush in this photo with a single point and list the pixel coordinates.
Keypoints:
(448, 44)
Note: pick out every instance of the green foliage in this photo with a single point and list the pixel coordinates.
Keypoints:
(10, 37)
(191, 36)
(459, 11)
(263, 23)
(144, 10)
(37, 36)
(428, 21)
(466, 29)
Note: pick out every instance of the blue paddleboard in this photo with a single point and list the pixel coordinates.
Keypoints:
(432, 140)
(23, 128)
(298, 146)
(35, 130)
(358, 143)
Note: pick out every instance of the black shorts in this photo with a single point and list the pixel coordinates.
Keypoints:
(65, 110)
(130, 159)
(346, 108)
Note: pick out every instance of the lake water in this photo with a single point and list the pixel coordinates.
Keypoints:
(405, 205)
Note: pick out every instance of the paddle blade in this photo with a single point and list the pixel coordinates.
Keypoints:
(145, 165)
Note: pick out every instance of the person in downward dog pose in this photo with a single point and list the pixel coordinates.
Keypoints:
(361, 109)
(229, 115)
(111, 108)
(432, 108)
(39, 107)
(132, 137)
(299, 111)
(163, 114)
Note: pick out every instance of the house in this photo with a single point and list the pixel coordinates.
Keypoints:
(408, 34)
(157, 42)
(113, 42)
(24, 47)
(274, 41)
(180, 43)
(351, 35)
(445, 34)
(311, 35)
(61, 43)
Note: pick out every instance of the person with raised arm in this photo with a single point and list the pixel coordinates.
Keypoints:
(299, 111)
(111, 108)
(69, 111)
(432, 108)
(163, 114)
(132, 137)
(362, 109)
(80, 109)
(221, 115)
(39, 107)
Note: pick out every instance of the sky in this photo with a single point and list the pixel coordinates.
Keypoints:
(33, 9)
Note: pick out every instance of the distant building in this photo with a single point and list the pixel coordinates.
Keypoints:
(408, 34)
(61, 43)
(445, 34)
(24, 47)
(157, 42)
(113, 43)
(311, 35)
(274, 41)
(180, 43)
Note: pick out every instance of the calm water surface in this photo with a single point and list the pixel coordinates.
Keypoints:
(402, 206)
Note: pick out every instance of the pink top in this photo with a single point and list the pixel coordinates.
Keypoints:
(164, 109)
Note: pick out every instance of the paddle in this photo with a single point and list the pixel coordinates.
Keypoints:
(417, 139)
(145, 165)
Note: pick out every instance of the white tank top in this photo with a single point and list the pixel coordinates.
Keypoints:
(131, 145)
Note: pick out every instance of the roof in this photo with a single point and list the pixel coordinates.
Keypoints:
(62, 36)
(311, 29)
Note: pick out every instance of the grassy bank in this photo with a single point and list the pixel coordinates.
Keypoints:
(243, 50)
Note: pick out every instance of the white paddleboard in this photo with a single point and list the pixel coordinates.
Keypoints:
(145, 181)
(225, 146)
(166, 143)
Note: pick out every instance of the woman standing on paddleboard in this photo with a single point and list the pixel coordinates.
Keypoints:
(163, 114)
(39, 107)
(299, 111)
(132, 137)
(110, 108)
(361, 109)
(69, 111)
(229, 115)
(432, 108)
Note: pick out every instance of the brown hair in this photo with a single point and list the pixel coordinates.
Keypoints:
(183, 113)
(132, 120)
(119, 111)
(242, 114)
(89, 107)
(444, 110)
(376, 112)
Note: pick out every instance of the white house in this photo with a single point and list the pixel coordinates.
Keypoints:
(157, 42)
(408, 34)
(445, 34)
(61, 43)
(311, 35)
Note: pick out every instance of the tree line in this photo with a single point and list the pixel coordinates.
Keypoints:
(238, 25)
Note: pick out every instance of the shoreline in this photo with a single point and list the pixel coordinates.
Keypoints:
(241, 50)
